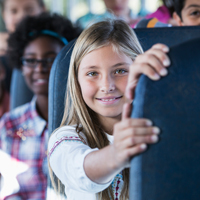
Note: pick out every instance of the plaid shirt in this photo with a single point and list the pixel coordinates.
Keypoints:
(23, 160)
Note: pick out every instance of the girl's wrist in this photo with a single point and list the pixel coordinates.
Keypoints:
(114, 164)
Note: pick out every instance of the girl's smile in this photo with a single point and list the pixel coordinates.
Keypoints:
(103, 77)
(109, 100)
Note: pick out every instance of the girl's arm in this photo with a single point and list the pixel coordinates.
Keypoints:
(130, 135)
(130, 139)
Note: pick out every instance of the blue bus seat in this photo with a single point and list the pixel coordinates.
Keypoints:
(169, 170)
(167, 35)
(19, 91)
(57, 86)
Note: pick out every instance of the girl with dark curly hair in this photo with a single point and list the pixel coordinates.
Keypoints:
(13, 11)
(24, 130)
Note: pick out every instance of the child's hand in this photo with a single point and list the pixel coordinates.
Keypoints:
(152, 63)
(131, 137)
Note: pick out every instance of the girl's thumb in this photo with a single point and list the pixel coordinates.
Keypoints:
(126, 112)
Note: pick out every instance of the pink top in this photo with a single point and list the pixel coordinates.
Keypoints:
(162, 14)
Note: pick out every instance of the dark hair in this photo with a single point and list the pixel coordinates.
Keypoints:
(170, 6)
(40, 2)
(178, 6)
(19, 39)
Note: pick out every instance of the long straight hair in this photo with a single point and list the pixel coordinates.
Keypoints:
(123, 39)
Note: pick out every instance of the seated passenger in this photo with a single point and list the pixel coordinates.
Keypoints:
(24, 130)
(90, 152)
(115, 9)
(187, 12)
(13, 11)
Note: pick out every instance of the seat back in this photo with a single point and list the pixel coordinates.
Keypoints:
(19, 91)
(57, 86)
(167, 35)
(170, 168)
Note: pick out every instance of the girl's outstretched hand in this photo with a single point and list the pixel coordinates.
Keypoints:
(131, 137)
(152, 63)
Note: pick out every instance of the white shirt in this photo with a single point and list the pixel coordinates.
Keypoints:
(66, 155)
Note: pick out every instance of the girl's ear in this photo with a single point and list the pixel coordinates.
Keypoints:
(177, 19)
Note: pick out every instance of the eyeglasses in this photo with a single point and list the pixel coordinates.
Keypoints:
(32, 62)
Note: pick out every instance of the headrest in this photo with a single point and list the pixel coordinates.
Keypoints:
(57, 86)
(170, 168)
(167, 35)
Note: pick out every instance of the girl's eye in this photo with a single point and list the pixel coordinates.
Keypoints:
(92, 74)
(195, 13)
(120, 71)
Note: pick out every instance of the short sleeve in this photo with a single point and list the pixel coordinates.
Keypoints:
(66, 155)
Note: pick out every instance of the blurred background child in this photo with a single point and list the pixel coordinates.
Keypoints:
(114, 9)
(13, 11)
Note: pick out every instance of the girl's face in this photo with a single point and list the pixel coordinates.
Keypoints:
(43, 49)
(191, 13)
(15, 10)
(102, 76)
(118, 7)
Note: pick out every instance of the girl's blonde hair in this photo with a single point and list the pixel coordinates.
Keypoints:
(110, 32)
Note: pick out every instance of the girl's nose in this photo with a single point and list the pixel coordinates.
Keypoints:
(107, 86)
(40, 68)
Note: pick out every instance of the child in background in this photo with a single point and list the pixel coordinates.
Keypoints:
(91, 150)
(187, 12)
(13, 11)
(24, 130)
(114, 9)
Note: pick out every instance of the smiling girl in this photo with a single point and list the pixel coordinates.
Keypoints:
(90, 152)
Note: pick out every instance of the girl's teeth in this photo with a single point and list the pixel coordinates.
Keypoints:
(41, 80)
(108, 99)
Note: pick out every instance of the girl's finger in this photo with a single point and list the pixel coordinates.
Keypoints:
(135, 71)
(154, 53)
(126, 112)
(132, 141)
(140, 131)
(133, 151)
(130, 123)
(162, 47)
(156, 64)
(161, 56)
